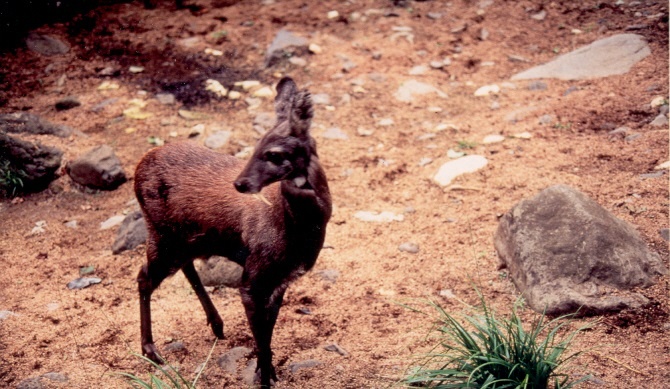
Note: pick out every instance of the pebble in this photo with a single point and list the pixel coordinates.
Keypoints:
(263, 92)
(295, 367)
(425, 161)
(234, 95)
(298, 61)
(540, 16)
(408, 89)
(39, 228)
(453, 154)
(228, 361)
(665, 234)
(495, 138)
(314, 48)
(537, 85)
(517, 58)
(434, 15)
(58, 377)
(46, 45)
(447, 293)
(664, 166)
(385, 122)
(457, 167)
(379, 217)
(335, 133)
(31, 383)
(523, 135)
(361, 131)
(333, 15)
(83, 282)
(174, 347)
(418, 70)
(136, 69)
(334, 347)
(112, 222)
(409, 247)
(218, 139)
(67, 103)
(495, 105)
(663, 110)
(6, 314)
(660, 121)
(166, 98)
(657, 101)
(215, 87)
(329, 275)
(487, 90)
(483, 34)
(436, 64)
(247, 85)
(655, 174)
(546, 119)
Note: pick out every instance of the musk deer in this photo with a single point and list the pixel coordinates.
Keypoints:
(196, 204)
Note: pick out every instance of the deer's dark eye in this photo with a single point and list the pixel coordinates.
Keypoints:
(274, 157)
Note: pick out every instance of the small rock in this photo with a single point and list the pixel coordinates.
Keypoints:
(657, 101)
(425, 161)
(303, 311)
(321, 99)
(71, 224)
(517, 58)
(364, 132)
(298, 61)
(333, 15)
(218, 139)
(58, 377)
(335, 133)
(174, 348)
(495, 105)
(660, 121)
(39, 228)
(664, 110)
(112, 222)
(314, 48)
(546, 119)
(99, 168)
(263, 92)
(665, 234)
(131, 233)
(656, 174)
(247, 85)
(284, 44)
(537, 85)
(540, 16)
(379, 217)
(632, 137)
(411, 88)
(228, 361)
(523, 135)
(295, 367)
(453, 154)
(31, 383)
(457, 167)
(483, 34)
(329, 275)
(219, 271)
(136, 69)
(385, 122)
(263, 122)
(46, 45)
(6, 314)
(487, 90)
(436, 64)
(664, 166)
(215, 87)
(334, 347)
(418, 70)
(165, 98)
(67, 103)
(447, 293)
(83, 282)
(409, 247)
(434, 15)
(495, 138)
(234, 95)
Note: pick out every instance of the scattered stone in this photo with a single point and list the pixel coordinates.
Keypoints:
(176, 347)
(632, 137)
(329, 275)
(378, 217)
(453, 154)
(321, 99)
(537, 85)
(364, 132)
(665, 234)
(189, 43)
(46, 45)
(523, 135)
(655, 174)
(295, 367)
(333, 15)
(605, 57)
(660, 121)
(495, 138)
(434, 15)
(285, 45)
(71, 224)
(228, 361)
(418, 70)
(99, 168)
(664, 110)
(517, 58)
(457, 167)
(6, 314)
(218, 139)
(409, 247)
(334, 347)
(31, 383)
(564, 251)
(83, 282)
(263, 92)
(314, 48)
(436, 64)
(495, 105)
(657, 101)
(664, 166)
(483, 34)
(298, 61)
(540, 16)
(335, 133)
(57, 377)
(67, 103)
(219, 271)
(546, 119)
(519, 114)
(487, 90)
(28, 123)
(385, 122)
(136, 69)
(447, 293)
(215, 87)
(303, 311)
(101, 105)
(425, 161)
(38, 164)
(112, 222)
(131, 233)
(234, 95)
(411, 88)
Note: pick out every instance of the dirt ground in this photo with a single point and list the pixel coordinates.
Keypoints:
(90, 334)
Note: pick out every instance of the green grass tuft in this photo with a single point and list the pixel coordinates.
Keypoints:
(11, 180)
(491, 352)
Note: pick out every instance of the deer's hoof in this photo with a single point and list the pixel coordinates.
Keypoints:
(217, 327)
(150, 351)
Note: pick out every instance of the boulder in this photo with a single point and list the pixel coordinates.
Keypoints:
(33, 165)
(24, 122)
(97, 169)
(565, 252)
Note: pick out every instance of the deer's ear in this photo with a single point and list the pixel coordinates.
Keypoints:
(286, 90)
(301, 113)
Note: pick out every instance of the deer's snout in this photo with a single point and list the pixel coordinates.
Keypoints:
(242, 185)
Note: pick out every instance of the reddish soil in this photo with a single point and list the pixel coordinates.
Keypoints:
(90, 334)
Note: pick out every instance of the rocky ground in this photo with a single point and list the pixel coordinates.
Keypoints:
(138, 78)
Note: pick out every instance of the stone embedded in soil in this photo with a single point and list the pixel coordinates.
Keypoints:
(565, 251)
(112, 222)
(131, 233)
(99, 168)
(57, 377)
(218, 139)
(418, 70)
(166, 98)
(228, 361)
(409, 247)
(335, 133)
(6, 314)
(25, 122)
(605, 57)
(409, 89)
(83, 282)
(537, 85)
(174, 348)
(334, 347)
(219, 271)
(379, 217)
(31, 383)
(457, 167)
(284, 45)
(67, 103)
(660, 121)
(38, 164)
(329, 275)
(494, 138)
(487, 90)
(46, 45)
(665, 234)
(296, 366)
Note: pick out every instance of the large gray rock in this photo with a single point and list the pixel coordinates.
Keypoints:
(97, 169)
(564, 251)
(25, 122)
(34, 164)
(46, 45)
(284, 45)
(131, 233)
(219, 271)
(605, 57)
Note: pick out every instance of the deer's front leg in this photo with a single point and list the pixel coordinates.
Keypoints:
(262, 307)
